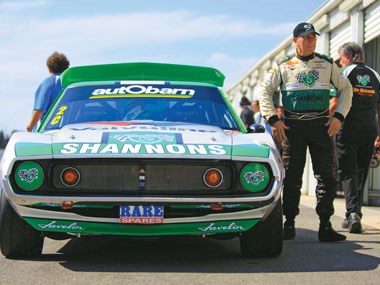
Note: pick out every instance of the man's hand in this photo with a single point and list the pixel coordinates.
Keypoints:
(333, 104)
(334, 126)
(278, 131)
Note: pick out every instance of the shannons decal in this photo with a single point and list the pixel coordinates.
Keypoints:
(97, 148)
(145, 138)
(254, 178)
(308, 78)
(28, 175)
(142, 137)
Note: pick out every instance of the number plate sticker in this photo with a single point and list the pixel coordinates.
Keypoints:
(141, 214)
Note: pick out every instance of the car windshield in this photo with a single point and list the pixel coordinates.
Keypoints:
(130, 102)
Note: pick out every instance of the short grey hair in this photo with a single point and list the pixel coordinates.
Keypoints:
(353, 50)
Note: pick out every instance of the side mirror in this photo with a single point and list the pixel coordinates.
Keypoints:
(256, 128)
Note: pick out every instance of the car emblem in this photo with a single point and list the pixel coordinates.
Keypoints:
(142, 179)
(28, 175)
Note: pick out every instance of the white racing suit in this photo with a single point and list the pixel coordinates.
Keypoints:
(304, 83)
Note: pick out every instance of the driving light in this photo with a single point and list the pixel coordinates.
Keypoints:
(213, 177)
(70, 176)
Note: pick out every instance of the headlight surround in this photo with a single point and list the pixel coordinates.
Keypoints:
(254, 177)
(29, 176)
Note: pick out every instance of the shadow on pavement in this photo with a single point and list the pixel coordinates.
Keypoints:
(192, 254)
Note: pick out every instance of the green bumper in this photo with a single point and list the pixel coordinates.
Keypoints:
(96, 228)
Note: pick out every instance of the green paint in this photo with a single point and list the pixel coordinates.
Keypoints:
(29, 175)
(143, 71)
(251, 150)
(32, 149)
(254, 177)
(141, 230)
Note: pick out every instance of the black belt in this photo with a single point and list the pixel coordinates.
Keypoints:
(310, 115)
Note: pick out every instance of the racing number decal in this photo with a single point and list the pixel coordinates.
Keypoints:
(58, 116)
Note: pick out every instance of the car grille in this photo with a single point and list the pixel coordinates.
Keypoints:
(166, 176)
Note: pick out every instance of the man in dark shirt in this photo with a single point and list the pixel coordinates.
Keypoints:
(356, 138)
(246, 114)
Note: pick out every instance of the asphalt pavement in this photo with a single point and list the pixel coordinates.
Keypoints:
(371, 214)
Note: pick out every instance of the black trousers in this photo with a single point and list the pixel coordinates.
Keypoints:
(300, 135)
(353, 159)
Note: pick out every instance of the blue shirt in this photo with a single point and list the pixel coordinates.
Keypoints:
(259, 119)
(46, 93)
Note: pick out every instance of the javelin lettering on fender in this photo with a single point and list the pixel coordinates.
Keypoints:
(54, 225)
(213, 227)
(97, 148)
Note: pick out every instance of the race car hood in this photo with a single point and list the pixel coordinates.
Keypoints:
(141, 139)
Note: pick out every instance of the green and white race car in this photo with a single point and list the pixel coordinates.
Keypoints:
(141, 150)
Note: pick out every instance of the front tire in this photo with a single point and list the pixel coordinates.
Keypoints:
(17, 238)
(265, 239)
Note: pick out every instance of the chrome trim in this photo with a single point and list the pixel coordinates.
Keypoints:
(54, 215)
(30, 200)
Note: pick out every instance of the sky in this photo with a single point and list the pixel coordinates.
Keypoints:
(230, 35)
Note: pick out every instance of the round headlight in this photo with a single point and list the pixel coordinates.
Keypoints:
(70, 176)
(29, 176)
(254, 177)
(213, 177)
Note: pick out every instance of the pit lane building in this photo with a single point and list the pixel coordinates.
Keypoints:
(337, 21)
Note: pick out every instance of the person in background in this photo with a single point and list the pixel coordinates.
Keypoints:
(304, 80)
(256, 110)
(49, 88)
(279, 111)
(246, 114)
(280, 114)
(259, 119)
(359, 132)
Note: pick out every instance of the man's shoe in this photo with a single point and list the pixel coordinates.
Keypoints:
(345, 224)
(289, 228)
(327, 234)
(354, 225)
(289, 232)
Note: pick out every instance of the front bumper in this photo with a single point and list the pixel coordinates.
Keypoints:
(213, 223)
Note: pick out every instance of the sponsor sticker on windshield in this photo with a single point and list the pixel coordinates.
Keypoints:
(137, 90)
